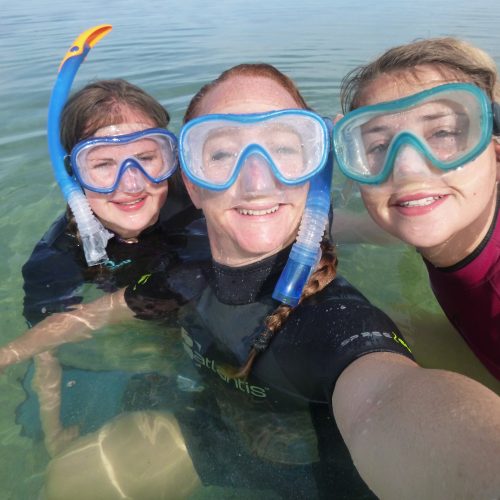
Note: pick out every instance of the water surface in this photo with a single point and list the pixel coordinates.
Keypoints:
(171, 49)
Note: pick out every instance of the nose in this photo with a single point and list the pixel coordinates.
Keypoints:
(410, 162)
(132, 181)
(256, 175)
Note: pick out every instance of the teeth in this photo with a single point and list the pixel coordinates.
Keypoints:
(131, 202)
(420, 203)
(245, 211)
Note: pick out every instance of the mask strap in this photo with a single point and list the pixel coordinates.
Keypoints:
(67, 165)
(496, 117)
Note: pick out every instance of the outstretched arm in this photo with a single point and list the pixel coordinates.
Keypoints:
(419, 433)
(74, 326)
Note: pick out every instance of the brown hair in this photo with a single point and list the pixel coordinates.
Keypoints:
(450, 55)
(103, 103)
(326, 270)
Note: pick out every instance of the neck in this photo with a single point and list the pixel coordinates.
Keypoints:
(246, 284)
(462, 244)
(129, 240)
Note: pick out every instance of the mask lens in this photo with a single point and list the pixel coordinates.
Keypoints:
(214, 148)
(101, 162)
(448, 124)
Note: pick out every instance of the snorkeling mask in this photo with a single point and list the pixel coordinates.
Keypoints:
(291, 146)
(450, 125)
(213, 149)
(123, 162)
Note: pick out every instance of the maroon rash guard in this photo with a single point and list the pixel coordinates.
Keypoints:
(469, 294)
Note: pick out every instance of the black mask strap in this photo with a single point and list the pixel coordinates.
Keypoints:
(67, 164)
(496, 118)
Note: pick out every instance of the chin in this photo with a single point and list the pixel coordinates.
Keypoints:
(426, 240)
(263, 248)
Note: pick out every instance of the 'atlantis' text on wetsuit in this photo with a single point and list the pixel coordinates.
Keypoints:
(199, 360)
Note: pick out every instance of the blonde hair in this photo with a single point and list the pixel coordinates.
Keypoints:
(450, 55)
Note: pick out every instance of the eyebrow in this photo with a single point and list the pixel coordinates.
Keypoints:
(424, 118)
(223, 132)
(91, 156)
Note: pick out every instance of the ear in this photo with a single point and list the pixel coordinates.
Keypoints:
(193, 191)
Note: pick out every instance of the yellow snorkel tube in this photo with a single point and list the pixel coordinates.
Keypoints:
(93, 234)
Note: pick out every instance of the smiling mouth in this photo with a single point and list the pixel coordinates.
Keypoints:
(423, 202)
(247, 211)
(130, 203)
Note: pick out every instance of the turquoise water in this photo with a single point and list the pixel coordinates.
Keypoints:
(171, 49)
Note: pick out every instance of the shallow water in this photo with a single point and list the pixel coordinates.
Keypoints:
(171, 49)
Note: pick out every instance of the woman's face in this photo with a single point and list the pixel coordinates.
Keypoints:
(257, 216)
(136, 203)
(444, 214)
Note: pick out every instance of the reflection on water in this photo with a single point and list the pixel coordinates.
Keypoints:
(171, 49)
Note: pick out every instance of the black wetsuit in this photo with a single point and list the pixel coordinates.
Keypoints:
(56, 270)
(56, 278)
(275, 431)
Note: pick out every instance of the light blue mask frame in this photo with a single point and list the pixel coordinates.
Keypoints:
(128, 162)
(408, 138)
(252, 148)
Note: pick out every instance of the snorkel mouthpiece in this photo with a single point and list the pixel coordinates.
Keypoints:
(306, 251)
(93, 235)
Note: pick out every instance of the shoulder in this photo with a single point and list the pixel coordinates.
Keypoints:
(477, 267)
(56, 232)
(330, 330)
(56, 246)
(341, 311)
(338, 292)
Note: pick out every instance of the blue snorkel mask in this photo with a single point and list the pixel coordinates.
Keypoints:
(291, 146)
(126, 161)
(93, 235)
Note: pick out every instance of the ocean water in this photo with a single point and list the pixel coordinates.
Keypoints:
(171, 48)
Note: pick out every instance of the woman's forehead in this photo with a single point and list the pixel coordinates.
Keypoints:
(246, 94)
(394, 85)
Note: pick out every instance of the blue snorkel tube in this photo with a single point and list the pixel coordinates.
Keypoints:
(306, 250)
(93, 234)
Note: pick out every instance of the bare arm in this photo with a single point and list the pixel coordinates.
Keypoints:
(419, 433)
(74, 326)
(47, 385)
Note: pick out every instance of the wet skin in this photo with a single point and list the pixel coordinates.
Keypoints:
(444, 214)
(136, 203)
(257, 216)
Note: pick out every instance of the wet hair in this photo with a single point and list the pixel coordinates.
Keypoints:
(103, 103)
(326, 270)
(255, 70)
(451, 56)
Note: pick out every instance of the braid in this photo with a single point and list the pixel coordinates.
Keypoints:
(319, 279)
